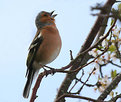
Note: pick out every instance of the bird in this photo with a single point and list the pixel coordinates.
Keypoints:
(44, 48)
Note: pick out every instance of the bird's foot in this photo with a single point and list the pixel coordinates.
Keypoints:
(52, 69)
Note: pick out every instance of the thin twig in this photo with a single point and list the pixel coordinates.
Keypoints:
(85, 81)
(115, 64)
(75, 96)
(91, 61)
(89, 85)
(100, 70)
(77, 81)
(71, 56)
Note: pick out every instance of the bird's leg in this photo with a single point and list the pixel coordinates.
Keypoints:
(52, 69)
(45, 70)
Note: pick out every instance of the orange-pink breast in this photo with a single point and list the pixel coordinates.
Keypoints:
(50, 47)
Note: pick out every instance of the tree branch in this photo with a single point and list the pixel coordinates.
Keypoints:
(74, 96)
(83, 59)
(112, 85)
(39, 79)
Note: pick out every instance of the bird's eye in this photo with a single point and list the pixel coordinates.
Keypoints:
(45, 15)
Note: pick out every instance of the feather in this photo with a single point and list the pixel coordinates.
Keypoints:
(30, 73)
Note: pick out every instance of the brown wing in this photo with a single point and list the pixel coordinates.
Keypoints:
(32, 50)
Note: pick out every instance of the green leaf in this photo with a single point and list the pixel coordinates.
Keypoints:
(112, 48)
(113, 9)
(113, 74)
(100, 47)
(112, 21)
(112, 94)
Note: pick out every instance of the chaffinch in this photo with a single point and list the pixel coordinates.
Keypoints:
(44, 48)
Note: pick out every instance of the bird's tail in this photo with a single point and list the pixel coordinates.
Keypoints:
(28, 83)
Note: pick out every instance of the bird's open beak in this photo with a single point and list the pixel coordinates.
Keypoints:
(51, 14)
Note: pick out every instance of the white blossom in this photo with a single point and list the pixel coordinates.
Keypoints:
(104, 83)
(104, 43)
(93, 52)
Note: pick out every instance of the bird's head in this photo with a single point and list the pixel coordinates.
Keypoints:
(45, 18)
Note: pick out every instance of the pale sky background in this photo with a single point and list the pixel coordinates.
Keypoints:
(17, 29)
